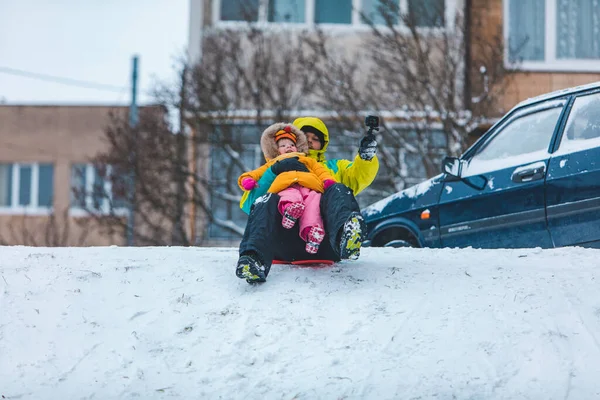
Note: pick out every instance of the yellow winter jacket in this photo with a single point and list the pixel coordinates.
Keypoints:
(312, 180)
(357, 174)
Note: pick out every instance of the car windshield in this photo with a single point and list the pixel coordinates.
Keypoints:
(523, 138)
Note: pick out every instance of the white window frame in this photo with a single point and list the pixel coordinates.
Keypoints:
(34, 208)
(104, 209)
(551, 63)
(355, 25)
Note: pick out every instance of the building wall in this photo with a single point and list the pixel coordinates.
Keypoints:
(488, 19)
(61, 135)
(526, 85)
(349, 37)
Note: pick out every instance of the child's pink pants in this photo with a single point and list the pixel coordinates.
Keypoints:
(311, 200)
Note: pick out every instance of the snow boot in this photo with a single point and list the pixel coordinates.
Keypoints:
(352, 236)
(314, 238)
(291, 213)
(251, 269)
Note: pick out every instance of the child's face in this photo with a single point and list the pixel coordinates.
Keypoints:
(286, 146)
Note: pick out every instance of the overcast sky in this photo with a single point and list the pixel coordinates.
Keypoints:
(88, 40)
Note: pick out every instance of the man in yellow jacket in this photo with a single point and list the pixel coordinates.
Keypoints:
(264, 238)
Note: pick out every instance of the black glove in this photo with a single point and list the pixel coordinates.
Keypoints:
(288, 164)
(367, 147)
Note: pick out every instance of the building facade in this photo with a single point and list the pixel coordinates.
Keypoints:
(44, 160)
(342, 18)
(343, 22)
(548, 44)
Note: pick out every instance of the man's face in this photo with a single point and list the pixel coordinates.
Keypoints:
(313, 141)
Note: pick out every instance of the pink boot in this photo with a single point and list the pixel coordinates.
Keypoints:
(314, 238)
(291, 213)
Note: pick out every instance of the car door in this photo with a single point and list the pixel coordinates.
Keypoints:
(499, 202)
(573, 183)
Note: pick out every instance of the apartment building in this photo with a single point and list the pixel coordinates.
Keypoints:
(342, 21)
(45, 154)
(341, 18)
(548, 44)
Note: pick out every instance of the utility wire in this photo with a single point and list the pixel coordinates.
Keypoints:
(122, 91)
(61, 80)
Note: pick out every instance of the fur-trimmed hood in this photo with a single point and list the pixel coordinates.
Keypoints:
(267, 140)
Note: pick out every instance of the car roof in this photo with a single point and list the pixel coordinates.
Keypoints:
(559, 93)
(534, 100)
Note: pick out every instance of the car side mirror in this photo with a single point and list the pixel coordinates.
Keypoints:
(451, 166)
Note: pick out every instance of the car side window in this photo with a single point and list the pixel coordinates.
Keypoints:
(522, 139)
(583, 126)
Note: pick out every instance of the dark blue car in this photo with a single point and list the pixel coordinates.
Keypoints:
(533, 180)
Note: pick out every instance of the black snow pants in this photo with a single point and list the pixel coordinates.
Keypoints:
(265, 236)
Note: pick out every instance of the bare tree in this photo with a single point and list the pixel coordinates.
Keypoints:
(48, 231)
(145, 159)
(246, 80)
(419, 71)
(415, 69)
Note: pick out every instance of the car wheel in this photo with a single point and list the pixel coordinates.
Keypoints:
(398, 243)
(395, 237)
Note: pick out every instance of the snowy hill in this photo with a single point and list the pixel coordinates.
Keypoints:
(153, 323)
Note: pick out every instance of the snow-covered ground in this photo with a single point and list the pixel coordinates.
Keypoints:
(108, 323)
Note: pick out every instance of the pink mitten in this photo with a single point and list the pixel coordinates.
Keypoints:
(327, 183)
(248, 183)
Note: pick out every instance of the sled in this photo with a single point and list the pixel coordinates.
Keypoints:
(306, 263)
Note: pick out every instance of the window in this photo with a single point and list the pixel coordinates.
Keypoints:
(225, 191)
(237, 134)
(45, 185)
(578, 29)
(5, 185)
(551, 34)
(426, 13)
(341, 152)
(242, 140)
(333, 11)
(583, 127)
(415, 166)
(26, 187)
(228, 140)
(437, 138)
(521, 139)
(371, 9)
(239, 10)
(286, 11)
(98, 190)
(527, 30)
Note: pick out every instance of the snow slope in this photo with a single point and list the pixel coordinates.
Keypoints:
(154, 323)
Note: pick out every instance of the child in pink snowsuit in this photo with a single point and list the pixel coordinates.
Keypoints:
(297, 202)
